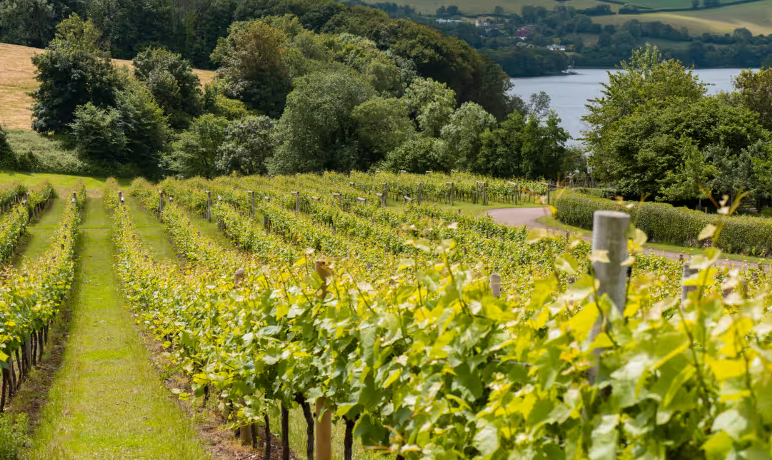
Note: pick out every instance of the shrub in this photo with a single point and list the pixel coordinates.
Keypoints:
(13, 435)
(664, 223)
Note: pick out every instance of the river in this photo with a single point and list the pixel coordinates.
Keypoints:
(569, 93)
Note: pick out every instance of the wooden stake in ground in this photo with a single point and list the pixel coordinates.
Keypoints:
(496, 285)
(609, 236)
(323, 432)
(688, 273)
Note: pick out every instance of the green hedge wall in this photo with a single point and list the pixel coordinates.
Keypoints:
(667, 224)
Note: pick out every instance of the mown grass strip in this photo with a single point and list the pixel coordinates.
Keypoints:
(151, 231)
(40, 232)
(107, 402)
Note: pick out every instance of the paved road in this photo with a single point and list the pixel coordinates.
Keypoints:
(528, 216)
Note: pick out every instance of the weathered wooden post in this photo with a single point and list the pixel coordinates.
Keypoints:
(252, 203)
(496, 285)
(323, 436)
(74, 197)
(687, 273)
(161, 201)
(609, 234)
(120, 197)
(485, 193)
(380, 198)
(208, 206)
(297, 201)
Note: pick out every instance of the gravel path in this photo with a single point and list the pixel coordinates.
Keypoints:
(528, 216)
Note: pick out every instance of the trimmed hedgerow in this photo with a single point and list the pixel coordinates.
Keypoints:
(667, 224)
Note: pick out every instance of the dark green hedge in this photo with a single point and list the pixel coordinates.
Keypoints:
(667, 224)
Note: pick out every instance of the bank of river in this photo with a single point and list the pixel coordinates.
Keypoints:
(569, 93)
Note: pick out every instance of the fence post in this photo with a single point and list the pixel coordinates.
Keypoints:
(74, 197)
(161, 202)
(120, 197)
(688, 273)
(496, 285)
(297, 201)
(252, 201)
(208, 206)
(323, 432)
(609, 232)
(485, 194)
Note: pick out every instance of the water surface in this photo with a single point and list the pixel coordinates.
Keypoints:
(570, 93)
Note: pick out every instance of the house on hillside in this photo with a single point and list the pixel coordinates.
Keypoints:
(449, 21)
(482, 24)
(556, 47)
(523, 32)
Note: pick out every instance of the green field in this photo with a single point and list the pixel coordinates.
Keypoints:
(756, 17)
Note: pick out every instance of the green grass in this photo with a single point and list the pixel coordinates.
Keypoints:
(756, 17)
(552, 222)
(62, 182)
(151, 231)
(106, 401)
(40, 232)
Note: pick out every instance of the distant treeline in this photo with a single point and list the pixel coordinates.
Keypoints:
(193, 28)
(507, 37)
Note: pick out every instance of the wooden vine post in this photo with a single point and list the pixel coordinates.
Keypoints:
(120, 197)
(609, 234)
(208, 206)
(496, 285)
(252, 203)
(688, 273)
(451, 192)
(297, 201)
(245, 432)
(160, 201)
(420, 192)
(74, 197)
(323, 418)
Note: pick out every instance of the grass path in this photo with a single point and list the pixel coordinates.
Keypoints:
(151, 231)
(41, 231)
(107, 402)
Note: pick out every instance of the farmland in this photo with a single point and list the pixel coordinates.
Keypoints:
(275, 297)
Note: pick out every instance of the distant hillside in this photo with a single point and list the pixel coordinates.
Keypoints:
(17, 78)
(755, 16)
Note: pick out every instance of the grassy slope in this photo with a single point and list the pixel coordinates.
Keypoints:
(107, 402)
(17, 78)
(62, 182)
(41, 231)
(757, 17)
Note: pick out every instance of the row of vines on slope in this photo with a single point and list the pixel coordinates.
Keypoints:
(14, 222)
(32, 294)
(426, 363)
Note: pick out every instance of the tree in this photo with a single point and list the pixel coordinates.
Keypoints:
(453, 10)
(498, 10)
(462, 133)
(381, 126)
(420, 155)
(647, 151)
(5, 149)
(252, 66)
(28, 21)
(144, 125)
(248, 143)
(646, 80)
(97, 134)
(532, 147)
(755, 93)
(430, 104)
(196, 151)
(317, 127)
(172, 82)
(72, 72)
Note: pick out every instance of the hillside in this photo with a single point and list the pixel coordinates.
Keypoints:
(17, 78)
(755, 16)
